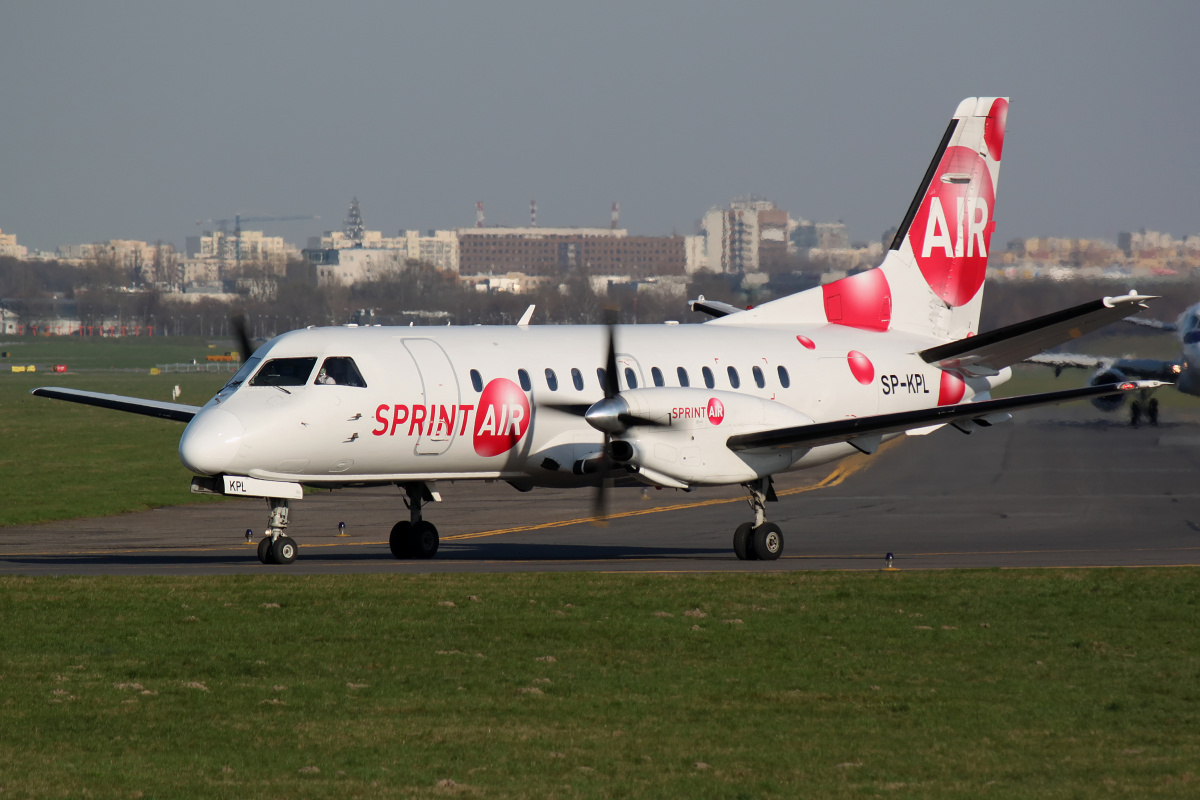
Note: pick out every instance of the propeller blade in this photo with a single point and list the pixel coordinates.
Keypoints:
(238, 323)
(575, 409)
(600, 501)
(629, 420)
(611, 387)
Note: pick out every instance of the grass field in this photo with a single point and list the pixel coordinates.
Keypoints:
(62, 460)
(954, 684)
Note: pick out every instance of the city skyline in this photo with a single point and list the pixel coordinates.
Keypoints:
(134, 120)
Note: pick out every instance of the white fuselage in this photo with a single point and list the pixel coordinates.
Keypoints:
(451, 402)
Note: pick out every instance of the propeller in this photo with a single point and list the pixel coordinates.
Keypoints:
(238, 323)
(610, 415)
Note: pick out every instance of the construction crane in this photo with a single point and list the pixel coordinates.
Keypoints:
(223, 226)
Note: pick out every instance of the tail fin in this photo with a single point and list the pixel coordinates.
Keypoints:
(938, 259)
(931, 280)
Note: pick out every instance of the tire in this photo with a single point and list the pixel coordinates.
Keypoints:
(284, 550)
(1152, 411)
(264, 550)
(768, 541)
(400, 540)
(1135, 414)
(742, 546)
(423, 539)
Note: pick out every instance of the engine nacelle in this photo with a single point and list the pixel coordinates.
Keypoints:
(1112, 402)
(689, 449)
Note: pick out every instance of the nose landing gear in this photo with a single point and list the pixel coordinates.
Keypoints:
(277, 547)
(759, 540)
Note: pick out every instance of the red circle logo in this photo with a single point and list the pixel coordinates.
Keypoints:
(953, 227)
(501, 417)
(861, 367)
(807, 342)
(993, 127)
(716, 411)
(951, 389)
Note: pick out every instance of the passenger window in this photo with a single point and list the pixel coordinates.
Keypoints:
(630, 378)
(759, 380)
(523, 377)
(577, 379)
(285, 372)
(709, 381)
(657, 375)
(551, 380)
(600, 376)
(683, 377)
(340, 371)
(476, 381)
(784, 380)
(734, 380)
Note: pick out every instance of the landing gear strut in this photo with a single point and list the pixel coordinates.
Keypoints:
(414, 537)
(277, 547)
(759, 540)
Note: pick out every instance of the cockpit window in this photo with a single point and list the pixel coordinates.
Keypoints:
(284, 372)
(240, 376)
(340, 371)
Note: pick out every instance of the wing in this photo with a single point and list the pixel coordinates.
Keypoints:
(1142, 369)
(988, 353)
(1061, 361)
(133, 405)
(1157, 324)
(870, 428)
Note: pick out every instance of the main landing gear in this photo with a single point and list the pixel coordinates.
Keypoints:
(1135, 412)
(414, 537)
(759, 540)
(277, 547)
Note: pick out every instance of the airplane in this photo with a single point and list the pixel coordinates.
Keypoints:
(1183, 373)
(803, 380)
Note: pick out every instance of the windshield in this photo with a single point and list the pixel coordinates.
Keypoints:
(285, 372)
(240, 376)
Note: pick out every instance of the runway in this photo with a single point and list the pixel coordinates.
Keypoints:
(1058, 488)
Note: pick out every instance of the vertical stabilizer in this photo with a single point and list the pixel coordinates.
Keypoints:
(938, 259)
(931, 279)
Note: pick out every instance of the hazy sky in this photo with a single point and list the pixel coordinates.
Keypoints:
(136, 119)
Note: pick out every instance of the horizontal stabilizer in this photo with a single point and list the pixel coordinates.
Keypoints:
(988, 353)
(133, 405)
(868, 428)
(714, 308)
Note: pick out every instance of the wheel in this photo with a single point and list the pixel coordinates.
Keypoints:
(264, 550)
(423, 539)
(768, 541)
(741, 542)
(400, 540)
(1152, 411)
(283, 551)
(1135, 413)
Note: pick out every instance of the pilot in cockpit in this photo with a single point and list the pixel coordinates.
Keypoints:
(339, 371)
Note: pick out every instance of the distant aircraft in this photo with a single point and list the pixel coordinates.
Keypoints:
(1184, 372)
(803, 380)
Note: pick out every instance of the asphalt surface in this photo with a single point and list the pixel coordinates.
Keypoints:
(1060, 488)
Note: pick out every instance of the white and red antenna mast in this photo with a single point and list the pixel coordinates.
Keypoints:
(533, 213)
(479, 214)
(616, 215)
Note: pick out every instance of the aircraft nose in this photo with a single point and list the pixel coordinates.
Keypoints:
(210, 441)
